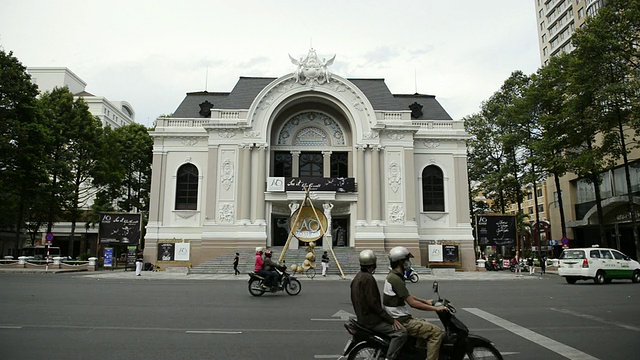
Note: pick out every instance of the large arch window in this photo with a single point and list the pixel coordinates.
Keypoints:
(187, 188)
(432, 189)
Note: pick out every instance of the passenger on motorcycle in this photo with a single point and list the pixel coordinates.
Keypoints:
(396, 297)
(365, 298)
(269, 267)
(259, 264)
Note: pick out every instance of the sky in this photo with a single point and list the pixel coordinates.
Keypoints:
(151, 53)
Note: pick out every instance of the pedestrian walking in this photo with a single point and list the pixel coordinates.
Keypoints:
(530, 265)
(543, 264)
(325, 263)
(139, 262)
(236, 260)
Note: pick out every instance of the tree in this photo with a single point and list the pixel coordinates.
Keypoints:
(22, 153)
(610, 43)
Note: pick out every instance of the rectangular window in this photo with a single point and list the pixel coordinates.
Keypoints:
(282, 164)
(530, 210)
(339, 164)
(529, 195)
(540, 208)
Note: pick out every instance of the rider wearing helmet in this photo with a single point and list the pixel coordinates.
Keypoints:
(365, 298)
(269, 269)
(396, 297)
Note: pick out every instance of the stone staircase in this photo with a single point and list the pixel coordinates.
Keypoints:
(347, 257)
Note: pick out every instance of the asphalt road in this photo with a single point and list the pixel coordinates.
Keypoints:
(72, 316)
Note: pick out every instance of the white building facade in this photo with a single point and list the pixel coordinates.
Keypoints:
(387, 170)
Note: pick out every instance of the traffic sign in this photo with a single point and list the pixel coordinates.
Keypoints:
(49, 238)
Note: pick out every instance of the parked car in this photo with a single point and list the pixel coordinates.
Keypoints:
(598, 264)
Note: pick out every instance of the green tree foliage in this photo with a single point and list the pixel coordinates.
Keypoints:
(608, 54)
(125, 179)
(23, 136)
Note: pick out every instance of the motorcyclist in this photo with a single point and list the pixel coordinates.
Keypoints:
(365, 298)
(396, 297)
(269, 267)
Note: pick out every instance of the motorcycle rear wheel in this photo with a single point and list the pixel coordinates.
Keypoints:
(365, 351)
(293, 287)
(414, 278)
(479, 352)
(255, 288)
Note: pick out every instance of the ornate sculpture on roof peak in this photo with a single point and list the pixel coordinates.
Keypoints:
(311, 69)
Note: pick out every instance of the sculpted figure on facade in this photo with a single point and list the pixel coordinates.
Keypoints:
(227, 174)
(312, 69)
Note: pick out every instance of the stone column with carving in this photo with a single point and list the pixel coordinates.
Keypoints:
(360, 181)
(376, 209)
(327, 235)
(245, 183)
(326, 164)
(295, 163)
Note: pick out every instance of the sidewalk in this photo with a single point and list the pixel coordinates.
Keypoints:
(182, 275)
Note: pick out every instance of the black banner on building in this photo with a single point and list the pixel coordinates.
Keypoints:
(496, 230)
(120, 228)
(341, 185)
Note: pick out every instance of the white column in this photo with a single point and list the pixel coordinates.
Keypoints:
(262, 181)
(360, 181)
(368, 180)
(376, 211)
(295, 166)
(326, 164)
(245, 184)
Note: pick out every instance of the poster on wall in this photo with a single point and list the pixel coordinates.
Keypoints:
(182, 251)
(450, 253)
(496, 230)
(108, 257)
(435, 253)
(166, 251)
(120, 228)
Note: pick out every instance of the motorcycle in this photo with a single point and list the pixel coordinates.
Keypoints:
(411, 275)
(458, 342)
(284, 282)
(521, 265)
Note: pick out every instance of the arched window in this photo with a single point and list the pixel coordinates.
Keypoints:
(187, 188)
(432, 189)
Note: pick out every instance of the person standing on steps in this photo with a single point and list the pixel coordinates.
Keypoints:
(236, 260)
(325, 263)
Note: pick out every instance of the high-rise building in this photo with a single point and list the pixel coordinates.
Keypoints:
(557, 21)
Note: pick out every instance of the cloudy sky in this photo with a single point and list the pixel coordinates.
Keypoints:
(151, 53)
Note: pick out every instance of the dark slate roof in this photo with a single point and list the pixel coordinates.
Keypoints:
(247, 88)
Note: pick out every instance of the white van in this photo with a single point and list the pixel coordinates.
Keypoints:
(598, 264)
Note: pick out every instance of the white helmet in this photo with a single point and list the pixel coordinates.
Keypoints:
(400, 254)
(367, 258)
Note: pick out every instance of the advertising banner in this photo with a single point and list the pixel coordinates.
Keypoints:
(108, 257)
(120, 228)
(496, 230)
(166, 251)
(450, 253)
(281, 184)
(435, 253)
(182, 251)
